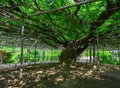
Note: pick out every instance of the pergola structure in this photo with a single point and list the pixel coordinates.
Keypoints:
(65, 22)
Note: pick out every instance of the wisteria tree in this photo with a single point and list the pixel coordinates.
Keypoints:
(74, 24)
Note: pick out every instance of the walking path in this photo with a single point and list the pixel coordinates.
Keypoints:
(111, 74)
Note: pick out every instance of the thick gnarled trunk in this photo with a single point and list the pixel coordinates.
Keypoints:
(70, 53)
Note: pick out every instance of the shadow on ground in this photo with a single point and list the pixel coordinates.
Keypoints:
(52, 76)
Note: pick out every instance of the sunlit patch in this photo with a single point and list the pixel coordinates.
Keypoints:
(59, 79)
(39, 72)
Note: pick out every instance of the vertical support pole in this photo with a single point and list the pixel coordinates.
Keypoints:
(90, 52)
(94, 53)
(103, 49)
(75, 52)
(1, 57)
(21, 56)
(12, 46)
(98, 61)
(88, 55)
(35, 47)
(28, 51)
(51, 54)
(119, 54)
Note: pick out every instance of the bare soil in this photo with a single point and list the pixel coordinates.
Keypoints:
(53, 76)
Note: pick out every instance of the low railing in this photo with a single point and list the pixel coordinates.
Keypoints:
(16, 65)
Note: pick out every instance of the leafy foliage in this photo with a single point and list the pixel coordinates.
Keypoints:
(64, 22)
(13, 56)
(5, 56)
(107, 58)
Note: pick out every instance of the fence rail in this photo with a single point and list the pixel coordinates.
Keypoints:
(6, 66)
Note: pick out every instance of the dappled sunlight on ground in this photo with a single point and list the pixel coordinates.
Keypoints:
(53, 76)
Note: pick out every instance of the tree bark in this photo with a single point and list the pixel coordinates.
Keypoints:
(70, 53)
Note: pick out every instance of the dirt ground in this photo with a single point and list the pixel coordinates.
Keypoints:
(53, 76)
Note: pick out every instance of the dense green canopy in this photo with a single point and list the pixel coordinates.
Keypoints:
(75, 24)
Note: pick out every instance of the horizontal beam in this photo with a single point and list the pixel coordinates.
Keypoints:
(62, 8)
(54, 10)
